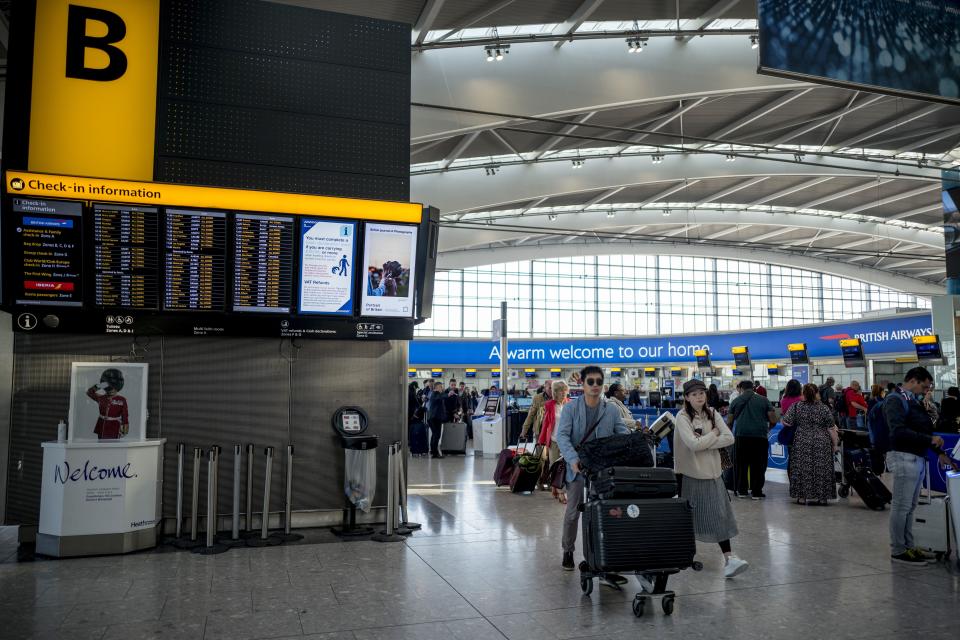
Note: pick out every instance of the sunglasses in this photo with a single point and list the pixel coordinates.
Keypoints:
(593, 382)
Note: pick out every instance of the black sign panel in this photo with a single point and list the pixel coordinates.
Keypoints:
(263, 263)
(126, 260)
(48, 250)
(194, 253)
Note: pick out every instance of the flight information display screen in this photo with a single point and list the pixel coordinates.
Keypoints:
(126, 260)
(798, 353)
(49, 246)
(194, 253)
(263, 263)
(852, 352)
(928, 349)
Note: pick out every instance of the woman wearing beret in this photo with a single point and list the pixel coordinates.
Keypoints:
(700, 435)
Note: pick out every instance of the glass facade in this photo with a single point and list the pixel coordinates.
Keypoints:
(645, 295)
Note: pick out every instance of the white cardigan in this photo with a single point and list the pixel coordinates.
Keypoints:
(698, 456)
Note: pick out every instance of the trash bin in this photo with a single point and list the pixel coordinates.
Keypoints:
(359, 468)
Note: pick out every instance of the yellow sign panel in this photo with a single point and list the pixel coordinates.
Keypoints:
(739, 349)
(798, 346)
(925, 339)
(155, 193)
(555, 370)
(700, 353)
(850, 342)
(94, 99)
(436, 370)
(676, 368)
(471, 370)
(649, 368)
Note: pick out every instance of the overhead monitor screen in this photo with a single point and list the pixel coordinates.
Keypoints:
(737, 373)
(676, 373)
(928, 349)
(798, 353)
(470, 373)
(327, 250)
(616, 373)
(389, 258)
(703, 358)
(263, 263)
(773, 370)
(741, 356)
(529, 373)
(48, 248)
(556, 373)
(649, 373)
(195, 256)
(126, 260)
(852, 352)
(896, 46)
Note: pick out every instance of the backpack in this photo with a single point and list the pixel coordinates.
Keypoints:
(840, 404)
(878, 427)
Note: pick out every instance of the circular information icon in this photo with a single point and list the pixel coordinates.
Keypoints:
(633, 511)
(27, 321)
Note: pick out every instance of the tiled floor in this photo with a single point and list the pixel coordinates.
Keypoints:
(486, 565)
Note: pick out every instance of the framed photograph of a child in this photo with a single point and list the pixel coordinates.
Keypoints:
(108, 402)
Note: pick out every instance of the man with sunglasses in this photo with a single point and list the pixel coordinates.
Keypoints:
(578, 417)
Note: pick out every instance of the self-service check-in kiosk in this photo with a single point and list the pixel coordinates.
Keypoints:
(488, 429)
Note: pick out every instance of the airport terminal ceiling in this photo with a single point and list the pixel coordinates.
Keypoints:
(680, 147)
(572, 145)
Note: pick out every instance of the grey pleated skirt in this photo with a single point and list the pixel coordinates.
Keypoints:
(713, 519)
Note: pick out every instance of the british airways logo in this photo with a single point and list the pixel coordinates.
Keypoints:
(64, 473)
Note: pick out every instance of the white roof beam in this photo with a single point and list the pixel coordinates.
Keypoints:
(932, 272)
(503, 141)
(680, 231)
(571, 24)
(836, 123)
(661, 123)
(476, 17)
(458, 150)
(666, 193)
(426, 19)
(789, 191)
(937, 137)
(890, 200)
(757, 114)
(536, 203)
(855, 243)
(817, 122)
(713, 13)
(726, 232)
(820, 235)
(771, 234)
(427, 146)
(917, 211)
(873, 184)
(898, 121)
(555, 139)
(904, 263)
(603, 196)
(716, 197)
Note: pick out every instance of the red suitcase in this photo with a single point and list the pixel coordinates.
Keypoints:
(506, 462)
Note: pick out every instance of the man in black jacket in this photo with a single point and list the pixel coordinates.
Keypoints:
(911, 435)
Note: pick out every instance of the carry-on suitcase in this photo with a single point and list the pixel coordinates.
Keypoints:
(526, 472)
(641, 535)
(870, 488)
(506, 461)
(633, 482)
(453, 438)
(418, 439)
(931, 522)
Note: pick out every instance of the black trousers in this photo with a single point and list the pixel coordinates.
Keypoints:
(751, 463)
(436, 428)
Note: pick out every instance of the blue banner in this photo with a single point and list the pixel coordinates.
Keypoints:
(938, 470)
(881, 336)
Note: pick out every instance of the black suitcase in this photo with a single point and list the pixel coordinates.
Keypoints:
(633, 482)
(638, 535)
(870, 488)
(418, 439)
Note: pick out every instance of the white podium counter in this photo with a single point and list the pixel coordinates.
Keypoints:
(100, 497)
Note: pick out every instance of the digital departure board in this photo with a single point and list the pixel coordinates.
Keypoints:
(49, 246)
(194, 253)
(798, 353)
(852, 351)
(263, 263)
(741, 356)
(126, 260)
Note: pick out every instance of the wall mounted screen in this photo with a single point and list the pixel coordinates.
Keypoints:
(905, 47)
(389, 259)
(327, 253)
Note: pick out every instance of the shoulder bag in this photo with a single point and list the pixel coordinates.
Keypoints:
(558, 470)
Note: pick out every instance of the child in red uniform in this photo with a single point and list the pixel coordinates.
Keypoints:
(113, 422)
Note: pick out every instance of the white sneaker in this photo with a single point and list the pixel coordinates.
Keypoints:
(734, 567)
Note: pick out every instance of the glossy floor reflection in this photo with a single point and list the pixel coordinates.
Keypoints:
(486, 565)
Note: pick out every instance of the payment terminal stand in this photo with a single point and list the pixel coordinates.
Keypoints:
(351, 423)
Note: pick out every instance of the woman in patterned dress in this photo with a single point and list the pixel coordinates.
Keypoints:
(812, 478)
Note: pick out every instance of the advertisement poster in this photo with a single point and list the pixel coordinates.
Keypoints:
(326, 266)
(390, 252)
(108, 402)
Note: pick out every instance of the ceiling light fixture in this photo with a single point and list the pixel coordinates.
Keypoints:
(552, 217)
(611, 214)
(491, 170)
(754, 42)
(496, 52)
(490, 57)
(731, 157)
(636, 45)
(656, 158)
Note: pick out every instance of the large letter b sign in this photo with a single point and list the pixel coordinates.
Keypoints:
(78, 42)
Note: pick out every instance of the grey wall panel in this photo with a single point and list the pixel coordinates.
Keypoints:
(330, 375)
(207, 391)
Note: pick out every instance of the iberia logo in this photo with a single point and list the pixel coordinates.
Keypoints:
(17, 184)
(616, 512)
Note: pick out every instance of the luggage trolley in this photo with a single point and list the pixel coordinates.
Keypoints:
(639, 531)
(858, 470)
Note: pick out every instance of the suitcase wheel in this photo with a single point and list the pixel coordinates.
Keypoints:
(844, 491)
(586, 585)
(639, 603)
(697, 565)
(667, 604)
